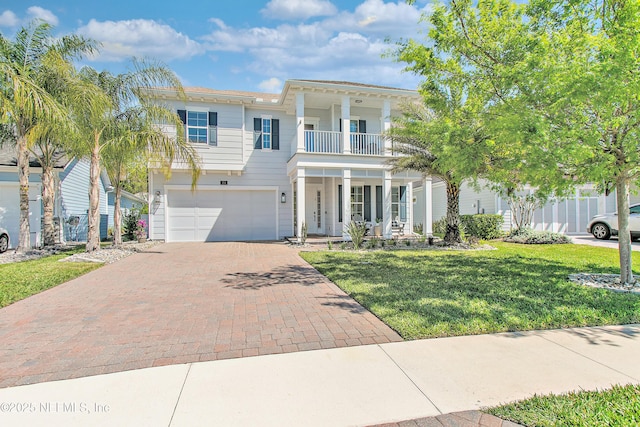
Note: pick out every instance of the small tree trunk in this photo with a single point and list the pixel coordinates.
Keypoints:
(24, 238)
(624, 236)
(452, 235)
(48, 201)
(93, 220)
(117, 217)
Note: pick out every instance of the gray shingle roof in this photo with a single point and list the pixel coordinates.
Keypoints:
(8, 157)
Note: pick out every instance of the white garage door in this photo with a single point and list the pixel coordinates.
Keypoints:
(10, 212)
(217, 215)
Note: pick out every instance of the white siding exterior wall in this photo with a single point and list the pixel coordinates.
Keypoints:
(261, 168)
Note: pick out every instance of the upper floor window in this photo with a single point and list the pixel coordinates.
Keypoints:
(201, 127)
(266, 132)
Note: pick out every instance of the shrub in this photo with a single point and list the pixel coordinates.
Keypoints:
(329, 244)
(482, 226)
(357, 232)
(130, 223)
(532, 237)
(373, 243)
(440, 226)
(417, 228)
(303, 237)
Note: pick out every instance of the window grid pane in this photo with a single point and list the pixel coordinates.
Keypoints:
(197, 126)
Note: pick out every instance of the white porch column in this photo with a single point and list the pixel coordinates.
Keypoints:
(346, 125)
(410, 207)
(428, 207)
(386, 205)
(386, 125)
(346, 201)
(300, 122)
(300, 202)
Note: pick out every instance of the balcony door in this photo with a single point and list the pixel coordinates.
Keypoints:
(314, 209)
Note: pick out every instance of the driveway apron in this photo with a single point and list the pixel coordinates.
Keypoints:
(180, 303)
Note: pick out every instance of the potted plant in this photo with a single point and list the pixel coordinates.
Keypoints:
(377, 229)
(141, 231)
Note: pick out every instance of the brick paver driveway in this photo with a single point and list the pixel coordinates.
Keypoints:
(180, 303)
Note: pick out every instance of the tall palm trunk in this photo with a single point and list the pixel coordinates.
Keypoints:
(452, 235)
(24, 238)
(624, 236)
(93, 220)
(48, 200)
(117, 217)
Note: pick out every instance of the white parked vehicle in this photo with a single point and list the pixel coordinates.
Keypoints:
(604, 226)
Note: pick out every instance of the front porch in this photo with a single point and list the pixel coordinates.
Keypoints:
(326, 200)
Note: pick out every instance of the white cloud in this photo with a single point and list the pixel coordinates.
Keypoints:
(36, 12)
(346, 46)
(298, 9)
(272, 85)
(8, 19)
(139, 37)
(219, 22)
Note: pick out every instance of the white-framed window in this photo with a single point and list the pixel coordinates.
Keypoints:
(357, 202)
(201, 127)
(399, 203)
(197, 127)
(266, 133)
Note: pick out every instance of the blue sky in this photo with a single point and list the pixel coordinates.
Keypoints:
(250, 45)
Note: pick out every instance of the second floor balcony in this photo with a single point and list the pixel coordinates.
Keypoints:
(331, 142)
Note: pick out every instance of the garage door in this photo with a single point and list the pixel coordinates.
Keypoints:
(217, 215)
(10, 212)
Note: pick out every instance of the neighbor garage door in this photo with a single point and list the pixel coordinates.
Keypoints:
(221, 215)
(10, 211)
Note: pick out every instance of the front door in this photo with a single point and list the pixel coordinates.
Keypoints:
(314, 210)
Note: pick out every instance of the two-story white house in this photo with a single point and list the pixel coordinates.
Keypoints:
(313, 154)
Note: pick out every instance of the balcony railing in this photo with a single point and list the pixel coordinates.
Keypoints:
(367, 144)
(320, 141)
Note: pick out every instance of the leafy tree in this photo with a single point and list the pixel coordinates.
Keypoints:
(24, 103)
(565, 80)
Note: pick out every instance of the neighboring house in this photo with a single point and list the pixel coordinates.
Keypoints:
(569, 216)
(74, 201)
(312, 154)
(10, 197)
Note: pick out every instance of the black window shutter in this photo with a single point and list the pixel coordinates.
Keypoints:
(367, 203)
(340, 123)
(183, 116)
(339, 203)
(378, 202)
(213, 118)
(362, 126)
(275, 134)
(257, 128)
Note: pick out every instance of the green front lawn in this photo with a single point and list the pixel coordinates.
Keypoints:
(619, 406)
(424, 294)
(20, 280)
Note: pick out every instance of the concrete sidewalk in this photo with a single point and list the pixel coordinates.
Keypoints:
(351, 386)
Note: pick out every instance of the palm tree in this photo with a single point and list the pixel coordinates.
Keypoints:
(128, 123)
(446, 143)
(136, 138)
(24, 104)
